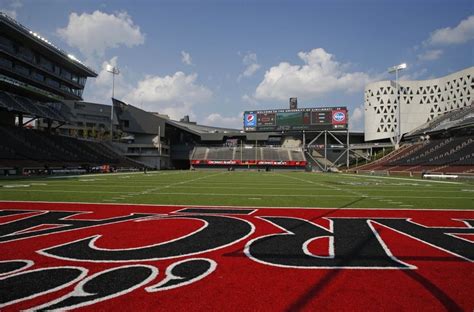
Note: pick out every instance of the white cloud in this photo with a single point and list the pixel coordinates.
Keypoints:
(186, 58)
(16, 4)
(462, 33)
(415, 75)
(250, 70)
(356, 120)
(172, 95)
(320, 74)
(93, 33)
(430, 55)
(251, 65)
(218, 120)
(10, 8)
(11, 13)
(249, 99)
(99, 89)
(104, 77)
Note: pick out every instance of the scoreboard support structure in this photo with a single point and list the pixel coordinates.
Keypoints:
(316, 123)
(345, 146)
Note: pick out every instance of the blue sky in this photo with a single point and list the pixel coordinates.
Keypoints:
(214, 59)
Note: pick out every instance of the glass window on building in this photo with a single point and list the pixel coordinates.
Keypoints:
(65, 74)
(7, 44)
(22, 69)
(77, 92)
(38, 76)
(26, 54)
(82, 80)
(65, 88)
(57, 70)
(46, 64)
(6, 62)
(52, 82)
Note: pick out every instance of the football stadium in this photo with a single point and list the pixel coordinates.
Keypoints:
(108, 206)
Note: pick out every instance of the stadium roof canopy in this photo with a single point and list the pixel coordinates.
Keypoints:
(456, 119)
(9, 25)
(200, 129)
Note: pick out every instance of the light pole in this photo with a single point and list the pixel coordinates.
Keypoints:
(114, 71)
(398, 133)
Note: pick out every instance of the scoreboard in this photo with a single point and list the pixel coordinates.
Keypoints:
(322, 118)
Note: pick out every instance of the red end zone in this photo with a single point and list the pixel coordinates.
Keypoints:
(123, 257)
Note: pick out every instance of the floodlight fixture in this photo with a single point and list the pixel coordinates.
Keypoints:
(396, 68)
(398, 135)
(114, 71)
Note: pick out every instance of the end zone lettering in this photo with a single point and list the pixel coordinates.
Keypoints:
(89, 255)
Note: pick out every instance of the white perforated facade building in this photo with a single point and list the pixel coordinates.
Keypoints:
(420, 100)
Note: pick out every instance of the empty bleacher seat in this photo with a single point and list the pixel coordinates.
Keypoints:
(46, 149)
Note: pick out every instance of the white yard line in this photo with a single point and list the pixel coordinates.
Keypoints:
(155, 189)
(252, 187)
(339, 189)
(403, 179)
(66, 191)
(105, 175)
(297, 195)
(359, 194)
(227, 206)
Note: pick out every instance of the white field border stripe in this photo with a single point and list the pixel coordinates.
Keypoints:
(151, 192)
(347, 190)
(133, 193)
(388, 188)
(403, 179)
(181, 206)
(104, 175)
(74, 191)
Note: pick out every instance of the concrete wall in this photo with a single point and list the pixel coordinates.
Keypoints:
(421, 101)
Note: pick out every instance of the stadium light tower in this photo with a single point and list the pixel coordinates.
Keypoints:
(114, 71)
(398, 134)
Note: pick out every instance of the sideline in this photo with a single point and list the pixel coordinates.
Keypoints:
(395, 178)
(180, 206)
(240, 195)
(114, 174)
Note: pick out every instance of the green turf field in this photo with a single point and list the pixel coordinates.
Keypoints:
(269, 189)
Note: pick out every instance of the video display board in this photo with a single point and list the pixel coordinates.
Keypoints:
(321, 118)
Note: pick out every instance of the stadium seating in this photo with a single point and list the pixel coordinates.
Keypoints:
(455, 118)
(444, 144)
(29, 107)
(26, 148)
(263, 155)
(453, 154)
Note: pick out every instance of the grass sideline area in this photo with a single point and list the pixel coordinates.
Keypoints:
(256, 189)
